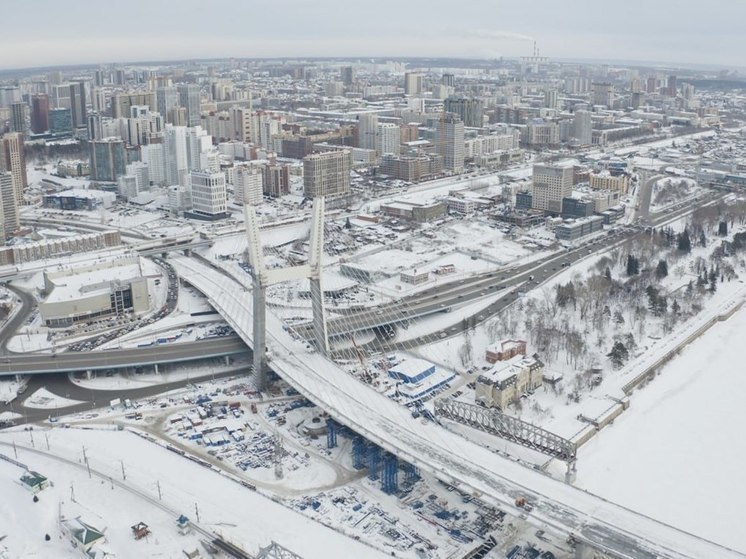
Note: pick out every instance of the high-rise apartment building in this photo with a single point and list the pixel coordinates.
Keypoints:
(449, 80)
(602, 94)
(582, 127)
(413, 83)
(551, 99)
(276, 180)
(39, 113)
(347, 75)
(470, 111)
(672, 86)
(552, 183)
(248, 185)
(367, 124)
(175, 155)
(652, 84)
(327, 174)
(78, 104)
(8, 207)
(13, 160)
(167, 97)
(122, 102)
(209, 198)
(153, 155)
(98, 100)
(241, 124)
(108, 160)
(198, 143)
(449, 141)
(98, 77)
(9, 94)
(60, 122)
(18, 119)
(388, 137)
(189, 99)
(141, 171)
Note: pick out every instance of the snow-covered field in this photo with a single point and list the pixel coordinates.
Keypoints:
(9, 389)
(242, 516)
(678, 453)
(45, 400)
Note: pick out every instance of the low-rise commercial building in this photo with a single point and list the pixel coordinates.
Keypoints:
(79, 199)
(504, 350)
(50, 248)
(418, 378)
(105, 288)
(412, 211)
(574, 229)
(411, 168)
(508, 381)
(607, 181)
(414, 277)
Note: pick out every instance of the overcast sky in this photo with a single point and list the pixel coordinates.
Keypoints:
(52, 32)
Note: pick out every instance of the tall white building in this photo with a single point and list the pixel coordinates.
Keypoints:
(141, 172)
(175, 155)
(583, 130)
(388, 138)
(179, 198)
(141, 124)
(263, 129)
(198, 142)
(248, 185)
(127, 186)
(153, 155)
(209, 197)
(551, 184)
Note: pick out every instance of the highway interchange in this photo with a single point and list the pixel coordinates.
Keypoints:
(435, 299)
(510, 282)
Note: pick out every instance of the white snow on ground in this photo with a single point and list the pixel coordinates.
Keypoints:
(671, 190)
(9, 415)
(28, 342)
(9, 389)
(43, 399)
(390, 425)
(271, 237)
(686, 471)
(242, 516)
(119, 381)
(431, 190)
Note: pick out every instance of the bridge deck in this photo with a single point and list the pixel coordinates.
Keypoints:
(609, 527)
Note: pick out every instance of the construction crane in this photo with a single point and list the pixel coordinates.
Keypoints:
(367, 377)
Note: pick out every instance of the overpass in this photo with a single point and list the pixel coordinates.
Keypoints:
(37, 363)
(601, 528)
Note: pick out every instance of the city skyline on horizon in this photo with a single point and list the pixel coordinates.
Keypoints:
(663, 33)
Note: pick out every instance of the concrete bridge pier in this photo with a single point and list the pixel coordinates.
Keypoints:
(89, 374)
(155, 369)
(571, 473)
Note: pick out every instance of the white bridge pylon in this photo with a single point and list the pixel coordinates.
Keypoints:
(262, 278)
